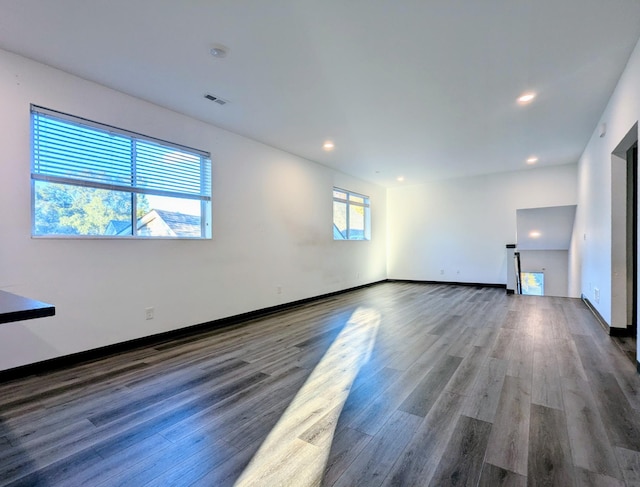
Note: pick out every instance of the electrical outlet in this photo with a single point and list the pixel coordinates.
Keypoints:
(278, 289)
(442, 272)
(148, 313)
(596, 295)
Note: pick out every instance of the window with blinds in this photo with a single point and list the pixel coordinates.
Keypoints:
(91, 179)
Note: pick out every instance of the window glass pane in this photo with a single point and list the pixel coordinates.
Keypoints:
(167, 169)
(339, 194)
(62, 209)
(161, 216)
(339, 220)
(68, 150)
(356, 199)
(533, 283)
(356, 222)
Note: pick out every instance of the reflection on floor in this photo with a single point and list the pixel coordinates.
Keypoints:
(297, 448)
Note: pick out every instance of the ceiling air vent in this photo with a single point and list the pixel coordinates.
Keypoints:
(216, 99)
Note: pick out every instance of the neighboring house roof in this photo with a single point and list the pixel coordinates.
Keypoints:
(181, 223)
(160, 223)
(118, 227)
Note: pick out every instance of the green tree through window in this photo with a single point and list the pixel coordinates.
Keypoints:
(78, 210)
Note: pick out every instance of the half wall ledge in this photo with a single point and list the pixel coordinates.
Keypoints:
(19, 308)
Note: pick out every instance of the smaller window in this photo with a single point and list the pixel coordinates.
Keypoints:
(351, 216)
(533, 283)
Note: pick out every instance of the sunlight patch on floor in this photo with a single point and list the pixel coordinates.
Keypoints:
(296, 450)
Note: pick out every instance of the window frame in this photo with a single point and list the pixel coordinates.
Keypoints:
(541, 279)
(134, 188)
(366, 204)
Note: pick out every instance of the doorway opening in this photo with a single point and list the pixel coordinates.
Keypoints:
(624, 243)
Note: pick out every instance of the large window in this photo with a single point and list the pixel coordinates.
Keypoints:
(351, 216)
(90, 179)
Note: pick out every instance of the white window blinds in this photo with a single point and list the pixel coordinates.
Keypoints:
(71, 150)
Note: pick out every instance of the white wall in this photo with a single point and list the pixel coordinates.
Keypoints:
(272, 216)
(464, 224)
(592, 262)
(555, 266)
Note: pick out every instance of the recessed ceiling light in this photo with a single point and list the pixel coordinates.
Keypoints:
(532, 160)
(328, 145)
(534, 234)
(526, 98)
(218, 51)
(400, 178)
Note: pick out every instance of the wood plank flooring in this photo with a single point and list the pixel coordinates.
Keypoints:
(397, 384)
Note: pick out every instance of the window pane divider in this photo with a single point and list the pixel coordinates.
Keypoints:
(134, 196)
(116, 187)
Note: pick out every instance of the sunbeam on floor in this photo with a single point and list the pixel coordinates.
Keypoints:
(295, 452)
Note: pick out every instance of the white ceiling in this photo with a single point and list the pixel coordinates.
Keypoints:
(420, 88)
(553, 224)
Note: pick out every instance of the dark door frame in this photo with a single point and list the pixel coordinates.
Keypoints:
(632, 228)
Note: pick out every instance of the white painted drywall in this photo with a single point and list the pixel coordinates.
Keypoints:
(456, 230)
(592, 261)
(272, 226)
(555, 266)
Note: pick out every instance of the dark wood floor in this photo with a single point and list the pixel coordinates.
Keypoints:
(628, 345)
(396, 384)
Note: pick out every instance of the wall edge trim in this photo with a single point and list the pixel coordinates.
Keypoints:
(452, 283)
(611, 330)
(90, 355)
